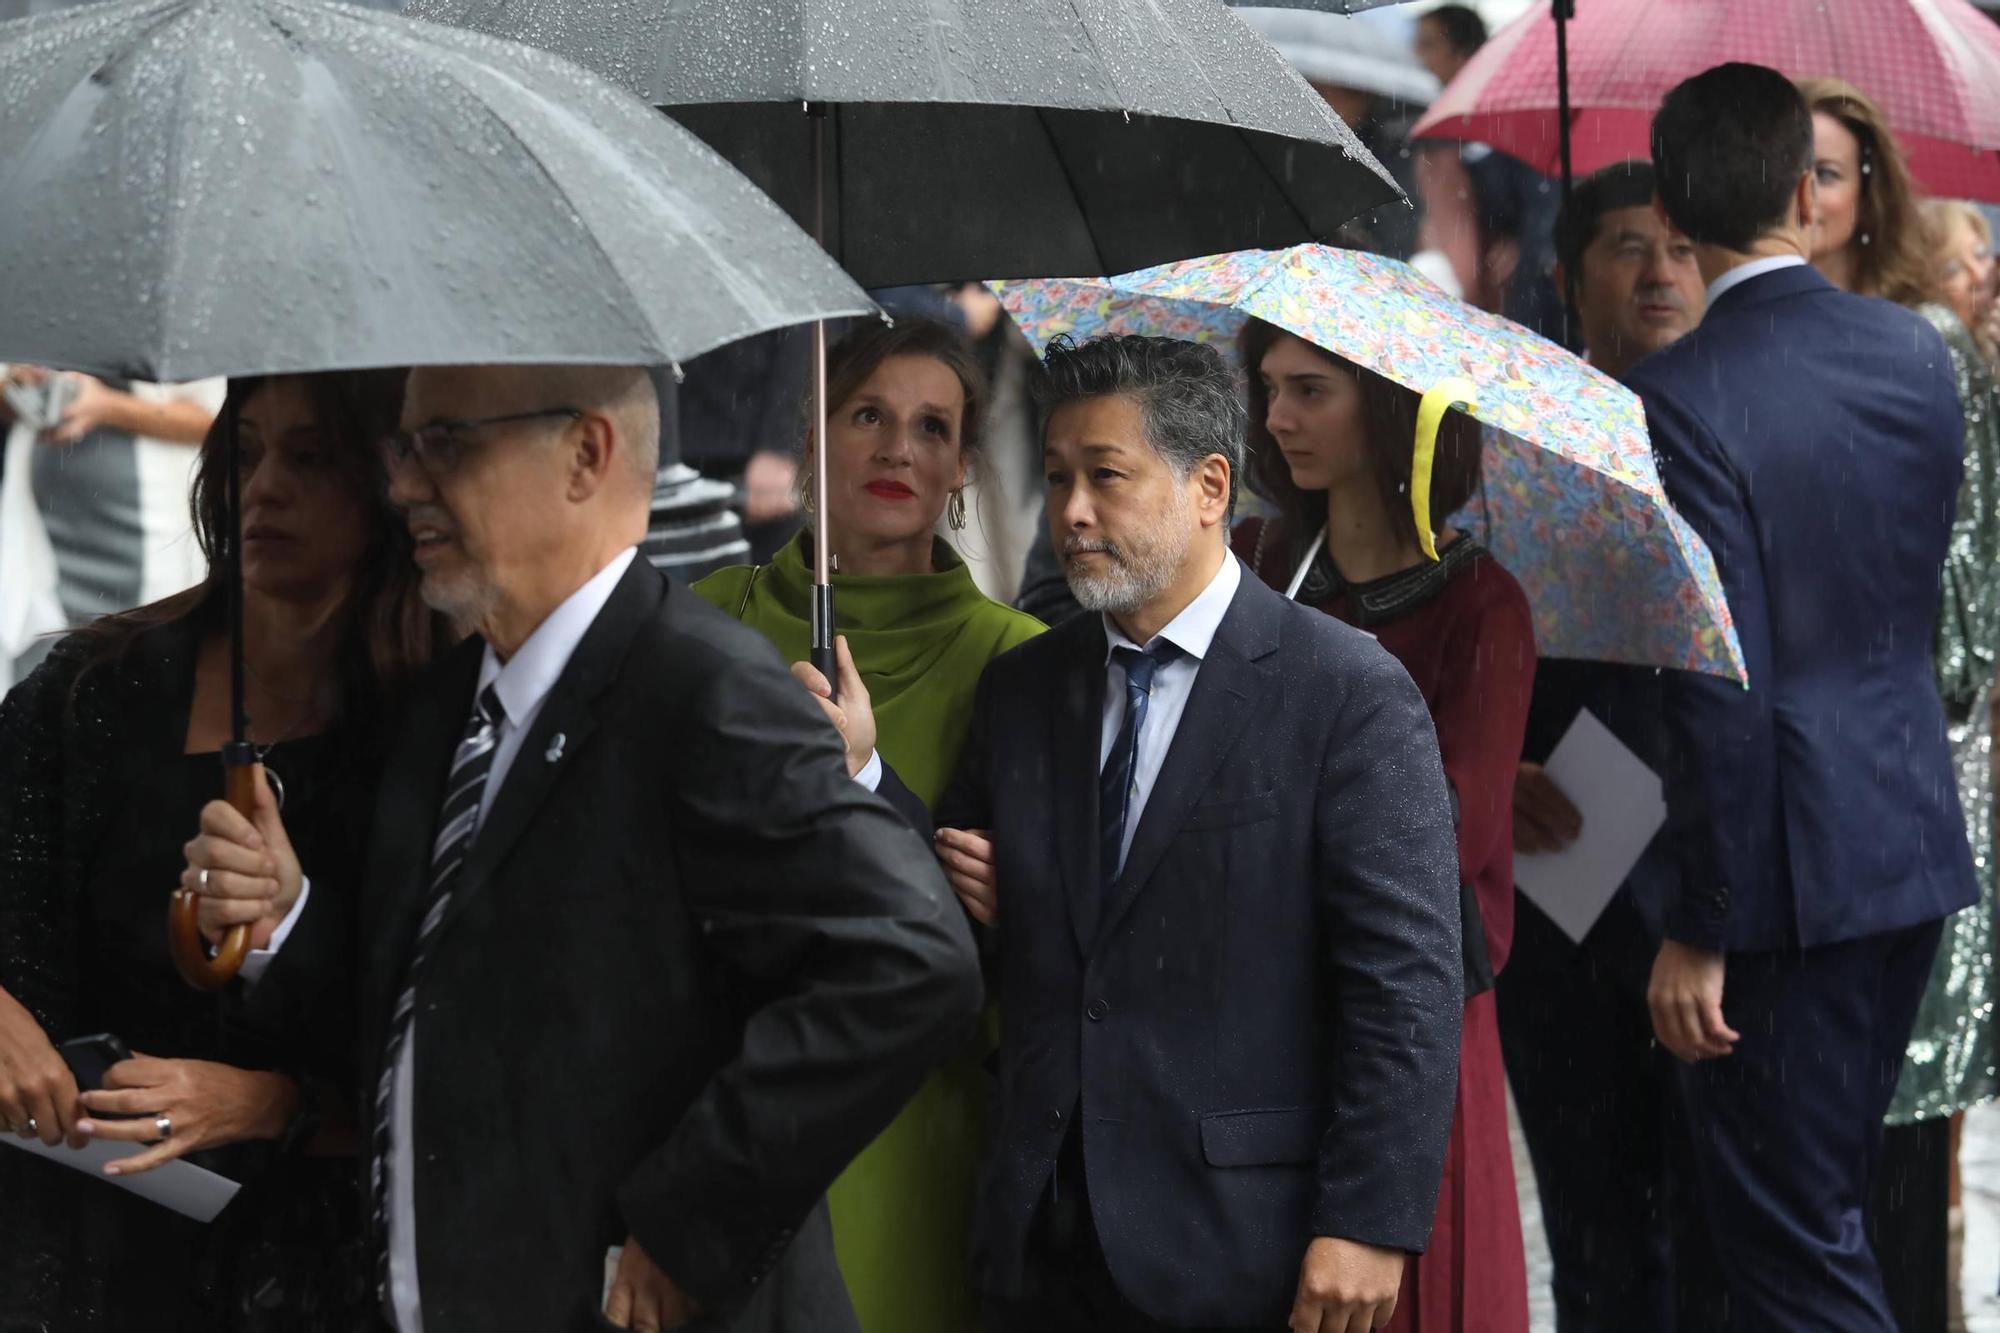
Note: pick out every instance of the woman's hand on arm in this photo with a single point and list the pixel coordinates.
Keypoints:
(37, 1091)
(201, 1104)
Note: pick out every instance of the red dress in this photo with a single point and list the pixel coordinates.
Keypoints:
(1463, 630)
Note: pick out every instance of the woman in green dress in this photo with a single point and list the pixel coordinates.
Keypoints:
(903, 437)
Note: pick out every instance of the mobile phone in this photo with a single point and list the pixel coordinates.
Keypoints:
(90, 1057)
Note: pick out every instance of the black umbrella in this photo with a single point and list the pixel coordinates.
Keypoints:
(203, 188)
(943, 140)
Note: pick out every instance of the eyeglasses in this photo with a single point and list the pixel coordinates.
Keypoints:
(440, 446)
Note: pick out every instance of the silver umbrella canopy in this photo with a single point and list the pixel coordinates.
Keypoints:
(198, 188)
(230, 187)
(953, 139)
(1324, 6)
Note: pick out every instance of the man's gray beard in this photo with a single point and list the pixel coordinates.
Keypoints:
(466, 601)
(1140, 569)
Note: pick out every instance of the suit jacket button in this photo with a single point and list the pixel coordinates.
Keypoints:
(1055, 1119)
(1098, 1009)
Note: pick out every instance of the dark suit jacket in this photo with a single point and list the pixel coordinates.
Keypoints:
(1814, 440)
(690, 969)
(1262, 1032)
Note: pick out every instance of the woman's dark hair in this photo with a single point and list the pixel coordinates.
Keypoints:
(1894, 254)
(1729, 147)
(392, 634)
(1389, 416)
(851, 361)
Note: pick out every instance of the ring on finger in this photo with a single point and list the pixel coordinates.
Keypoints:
(201, 880)
(164, 1125)
(32, 1128)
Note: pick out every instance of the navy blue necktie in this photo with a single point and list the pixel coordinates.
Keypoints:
(1114, 783)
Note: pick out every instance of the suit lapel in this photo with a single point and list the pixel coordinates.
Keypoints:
(571, 710)
(1077, 734)
(1228, 692)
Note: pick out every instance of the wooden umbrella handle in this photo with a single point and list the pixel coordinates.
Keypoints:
(184, 938)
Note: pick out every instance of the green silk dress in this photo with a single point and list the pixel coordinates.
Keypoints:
(902, 1212)
(1951, 1060)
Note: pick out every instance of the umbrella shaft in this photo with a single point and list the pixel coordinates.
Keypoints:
(1564, 11)
(823, 655)
(239, 720)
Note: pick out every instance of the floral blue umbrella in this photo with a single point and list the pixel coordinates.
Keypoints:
(1571, 501)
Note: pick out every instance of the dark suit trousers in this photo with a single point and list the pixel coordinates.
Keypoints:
(1787, 1131)
(1070, 1287)
(1599, 1110)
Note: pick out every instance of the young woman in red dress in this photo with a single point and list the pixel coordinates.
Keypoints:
(1331, 446)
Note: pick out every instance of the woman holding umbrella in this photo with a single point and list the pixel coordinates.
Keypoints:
(107, 754)
(1874, 239)
(905, 407)
(1333, 447)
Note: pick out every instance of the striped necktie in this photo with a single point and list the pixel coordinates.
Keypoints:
(458, 823)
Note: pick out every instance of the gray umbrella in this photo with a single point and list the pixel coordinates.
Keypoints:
(954, 139)
(193, 188)
(1347, 53)
(228, 187)
(1323, 6)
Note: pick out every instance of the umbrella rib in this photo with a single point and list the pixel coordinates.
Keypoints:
(1305, 223)
(1069, 179)
(494, 113)
(175, 243)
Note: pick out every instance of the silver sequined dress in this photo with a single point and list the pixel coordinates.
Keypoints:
(1951, 1062)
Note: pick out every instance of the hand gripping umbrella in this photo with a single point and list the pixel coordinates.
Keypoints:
(206, 188)
(1572, 501)
(943, 140)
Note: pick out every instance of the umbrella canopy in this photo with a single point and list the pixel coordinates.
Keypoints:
(1329, 49)
(1328, 6)
(1933, 65)
(1571, 502)
(967, 138)
(232, 187)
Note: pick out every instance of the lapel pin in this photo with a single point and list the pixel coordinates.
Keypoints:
(555, 747)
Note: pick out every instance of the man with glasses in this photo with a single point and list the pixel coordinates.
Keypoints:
(639, 962)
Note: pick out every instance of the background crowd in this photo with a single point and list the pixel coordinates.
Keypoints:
(1791, 1167)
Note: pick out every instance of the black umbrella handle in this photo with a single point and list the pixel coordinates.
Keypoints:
(823, 656)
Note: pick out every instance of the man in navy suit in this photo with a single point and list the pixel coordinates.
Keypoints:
(1210, 834)
(1813, 439)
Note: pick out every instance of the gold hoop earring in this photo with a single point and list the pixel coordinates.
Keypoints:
(806, 489)
(954, 510)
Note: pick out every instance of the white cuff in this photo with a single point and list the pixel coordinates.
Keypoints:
(870, 775)
(257, 960)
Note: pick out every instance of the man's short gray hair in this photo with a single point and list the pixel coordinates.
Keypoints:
(1190, 400)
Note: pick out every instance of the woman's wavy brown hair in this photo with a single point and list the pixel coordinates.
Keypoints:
(391, 635)
(1389, 414)
(1894, 255)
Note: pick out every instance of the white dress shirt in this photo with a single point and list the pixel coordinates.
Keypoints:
(523, 682)
(1192, 631)
(1756, 268)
